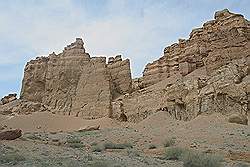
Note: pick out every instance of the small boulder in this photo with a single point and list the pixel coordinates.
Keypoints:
(89, 128)
(2, 128)
(9, 98)
(123, 117)
(10, 134)
(194, 145)
(238, 119)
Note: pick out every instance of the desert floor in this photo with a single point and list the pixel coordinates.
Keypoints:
(53, 140)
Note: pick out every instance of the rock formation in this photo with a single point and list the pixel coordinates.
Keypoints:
(89, 128)
(73, 83)
(8, 98)
(10, 134)
(120, 74)
(222, 41)
(209, 72)
(22, 107)
(238, 119)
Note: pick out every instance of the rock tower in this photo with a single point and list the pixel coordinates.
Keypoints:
(73, 83)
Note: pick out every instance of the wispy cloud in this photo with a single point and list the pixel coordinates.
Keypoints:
(137, 29)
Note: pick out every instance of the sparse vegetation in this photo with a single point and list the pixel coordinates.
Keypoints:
(97, 148)
(192, 159)
(75, 145)
(11, 158)
(33, 137)
(152, 146)
(169, 142)
(103, 163)
(174, 153)
(117, 146)
(242, 165)
(133, 153)
(99, 164)
(89, 133)
(197, 159)
(74, 142)
(22, 138)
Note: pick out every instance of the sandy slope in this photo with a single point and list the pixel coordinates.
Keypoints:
(208, 130)
(206, 133)
(45, 121)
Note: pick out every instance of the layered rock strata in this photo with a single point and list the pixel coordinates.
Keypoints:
(120, 75)
(219, 42)
(207, 73)
(73, 83)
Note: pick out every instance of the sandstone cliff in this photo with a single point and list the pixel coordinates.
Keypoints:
(219, 42)
(209, 72)
(73, 83)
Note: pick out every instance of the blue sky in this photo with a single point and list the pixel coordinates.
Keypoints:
(137, 29)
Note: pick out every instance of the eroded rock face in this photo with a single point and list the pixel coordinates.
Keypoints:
(22, 107)
(120, 75)
(219, 42)
(73, 83)
(207, 73)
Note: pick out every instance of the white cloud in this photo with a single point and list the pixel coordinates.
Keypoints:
(138, 30)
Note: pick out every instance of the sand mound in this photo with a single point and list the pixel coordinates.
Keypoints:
(157, 120)
(45, 121)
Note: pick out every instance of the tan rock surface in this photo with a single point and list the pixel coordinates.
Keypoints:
(120, 74)
(219, 42)
(238, 119)
(205, 74)
(89, 128)
(73, 83)
(8, 98)
(22, 107)
(185, 97)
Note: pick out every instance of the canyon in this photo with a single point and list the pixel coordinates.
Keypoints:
(75, 108)
(204, 74)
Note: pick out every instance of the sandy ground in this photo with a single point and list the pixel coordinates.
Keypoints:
(44, 121)
(206, 133)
